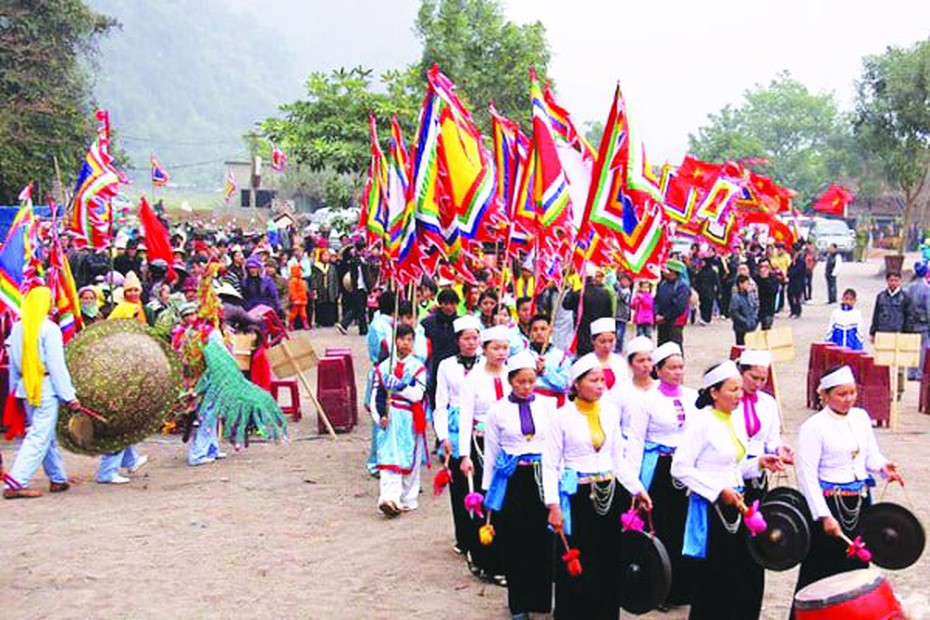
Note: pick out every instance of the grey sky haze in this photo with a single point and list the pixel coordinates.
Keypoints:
(677, 61)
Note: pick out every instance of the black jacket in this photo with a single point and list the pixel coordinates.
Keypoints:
(890, 313)
(437, 327)
(743, 313)
(597, 305)
(768, 292)
(672, 299)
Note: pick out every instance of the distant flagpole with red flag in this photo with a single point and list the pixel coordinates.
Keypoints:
(834, 201)
(278, 158)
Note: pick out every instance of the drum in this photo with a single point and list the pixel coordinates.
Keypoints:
(855, 595)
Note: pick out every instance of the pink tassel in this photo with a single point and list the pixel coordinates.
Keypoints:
(473, 502)
(857, 548)
(753, 519)
(630, 520)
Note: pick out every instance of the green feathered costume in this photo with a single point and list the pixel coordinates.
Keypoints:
(243, 406)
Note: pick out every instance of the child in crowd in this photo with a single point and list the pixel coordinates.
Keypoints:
(643, 307)
(297, 294)
(846, 328)
(624, 290)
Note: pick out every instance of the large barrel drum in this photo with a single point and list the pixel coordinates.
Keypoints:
(123, 372)
(855, 595)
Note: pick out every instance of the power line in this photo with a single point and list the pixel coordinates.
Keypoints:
(204, 141)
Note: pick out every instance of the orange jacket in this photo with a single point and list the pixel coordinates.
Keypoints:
(296, 287)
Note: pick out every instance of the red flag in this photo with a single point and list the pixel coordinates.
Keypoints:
(156, 237)
(834, 201)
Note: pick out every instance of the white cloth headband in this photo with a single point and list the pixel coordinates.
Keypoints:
(605, 325)
(583, 365)
(523, 359)
(755, 357)
(498, 332)
(721, 373)
(666, 350)
(466, 322)
(840, 376)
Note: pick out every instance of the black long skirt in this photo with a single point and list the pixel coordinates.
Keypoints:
(753, 574)
(595, 594)
(669, 512)
(827, 555)
(720, 592)
(487, 558)
(526, 544)
(458, 488)
(326, 312)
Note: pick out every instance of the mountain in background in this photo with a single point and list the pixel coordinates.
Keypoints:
(184, 80)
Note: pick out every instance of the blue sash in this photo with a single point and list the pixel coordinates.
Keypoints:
(695, 540)
(452, 411)
(651, 453)
(568, 486)
(855, 486)
(504, 467)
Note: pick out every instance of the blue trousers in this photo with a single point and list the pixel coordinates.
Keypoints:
(204, 445)
(40, 447)
(372, 463)
(621, 335)
(110, 463)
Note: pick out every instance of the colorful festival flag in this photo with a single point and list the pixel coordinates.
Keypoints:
(465, 167)
(156, 236)
(20, 266)
(624, 203)
(97, 184)
(230, 187)
(160, 176)
(64, 290)
(403, 252)
(373, 217)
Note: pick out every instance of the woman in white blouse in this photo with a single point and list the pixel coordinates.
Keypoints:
(837, 455)
(632, 398)
(652, 438)
(515, 432)
(616, 371)
(582, 466)
(486, 385)
(711, 462)
(451, 375)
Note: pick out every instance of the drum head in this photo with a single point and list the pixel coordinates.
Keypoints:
(646, 572)
(791, 496)
(893, 534)
(786, 541)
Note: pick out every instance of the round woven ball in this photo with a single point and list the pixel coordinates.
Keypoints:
(124, 372)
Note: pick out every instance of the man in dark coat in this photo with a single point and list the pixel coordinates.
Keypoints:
(441, 335)
(257, 289)
(891, 307)
(767, 286)
(595, 304)
(671, 303)
(357, 282)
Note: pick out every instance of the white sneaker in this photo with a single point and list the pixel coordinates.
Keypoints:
(140, 463)
(221, 455)
(117, 479)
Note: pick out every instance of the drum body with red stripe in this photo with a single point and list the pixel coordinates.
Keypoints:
(855, 595)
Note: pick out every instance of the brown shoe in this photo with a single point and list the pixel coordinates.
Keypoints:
(21, 493)
(59, 487)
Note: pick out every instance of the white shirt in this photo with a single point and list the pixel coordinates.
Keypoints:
(477, 396)
(835, 448)
(502, 432)
(450, 375)
(706, 458)
(632, 401)
(657, 421)
(768, 439)
(568, 446)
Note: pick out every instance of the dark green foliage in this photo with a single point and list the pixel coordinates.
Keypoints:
(45, 109)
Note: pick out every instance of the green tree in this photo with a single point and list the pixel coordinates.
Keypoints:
(892, 119)
(328, 130)
(805, 139)
(486, 56)
(45, 110)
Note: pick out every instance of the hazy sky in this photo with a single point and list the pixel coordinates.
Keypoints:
(677, 61)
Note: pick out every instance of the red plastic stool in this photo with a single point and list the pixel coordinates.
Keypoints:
(334, 394)
(293, 407)
(346, 355)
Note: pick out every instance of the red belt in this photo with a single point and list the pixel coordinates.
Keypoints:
(559, 396)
